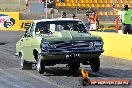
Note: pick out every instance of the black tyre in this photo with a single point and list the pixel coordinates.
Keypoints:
(24, 64)
(85, 62)
(95, 64)
(40, 65)
(74, 66)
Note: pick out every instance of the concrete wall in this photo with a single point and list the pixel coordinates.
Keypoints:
(116, 45)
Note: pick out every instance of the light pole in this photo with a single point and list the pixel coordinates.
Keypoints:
(76, 6)
(113, 3)
(46, 9)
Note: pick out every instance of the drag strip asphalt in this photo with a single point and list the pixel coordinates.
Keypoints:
(58, 76)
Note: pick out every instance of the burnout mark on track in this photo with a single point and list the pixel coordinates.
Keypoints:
(2, 43)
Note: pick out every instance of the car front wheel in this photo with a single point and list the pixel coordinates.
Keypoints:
(24, 64)
(40, 64)
(95, 64)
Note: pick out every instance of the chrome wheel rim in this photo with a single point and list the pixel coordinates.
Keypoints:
(38, 64)
(21, 61)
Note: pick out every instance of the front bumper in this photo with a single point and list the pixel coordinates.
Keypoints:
(72, 52)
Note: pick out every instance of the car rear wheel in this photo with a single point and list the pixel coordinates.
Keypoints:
(24, 64)
(40, 65)
(95, 64)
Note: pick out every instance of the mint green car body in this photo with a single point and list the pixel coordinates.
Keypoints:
(30, 45)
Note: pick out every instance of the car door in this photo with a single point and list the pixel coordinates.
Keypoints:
(27, 40)
(26, 46)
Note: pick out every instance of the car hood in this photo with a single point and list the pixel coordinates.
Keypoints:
(70, 36)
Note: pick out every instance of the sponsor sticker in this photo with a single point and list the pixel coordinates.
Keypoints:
(25, 24)
(86, 81)
(6, 21)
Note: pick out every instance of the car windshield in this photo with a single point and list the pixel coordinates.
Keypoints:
(51, 26)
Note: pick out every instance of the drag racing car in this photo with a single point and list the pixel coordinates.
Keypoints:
(48, 42)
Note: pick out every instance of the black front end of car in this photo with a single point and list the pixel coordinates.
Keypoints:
(72, 48)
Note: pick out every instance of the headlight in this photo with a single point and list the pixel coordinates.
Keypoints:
(45, 46)
(98, 45)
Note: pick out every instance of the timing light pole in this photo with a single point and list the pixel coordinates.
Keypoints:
(76, 6)
(46, 9)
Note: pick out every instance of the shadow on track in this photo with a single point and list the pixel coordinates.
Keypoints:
(63, 71)
(104, 72)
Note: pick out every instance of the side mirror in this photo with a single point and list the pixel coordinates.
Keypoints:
(27, 34)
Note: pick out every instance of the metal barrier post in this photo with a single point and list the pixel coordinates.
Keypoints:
(116, 24)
